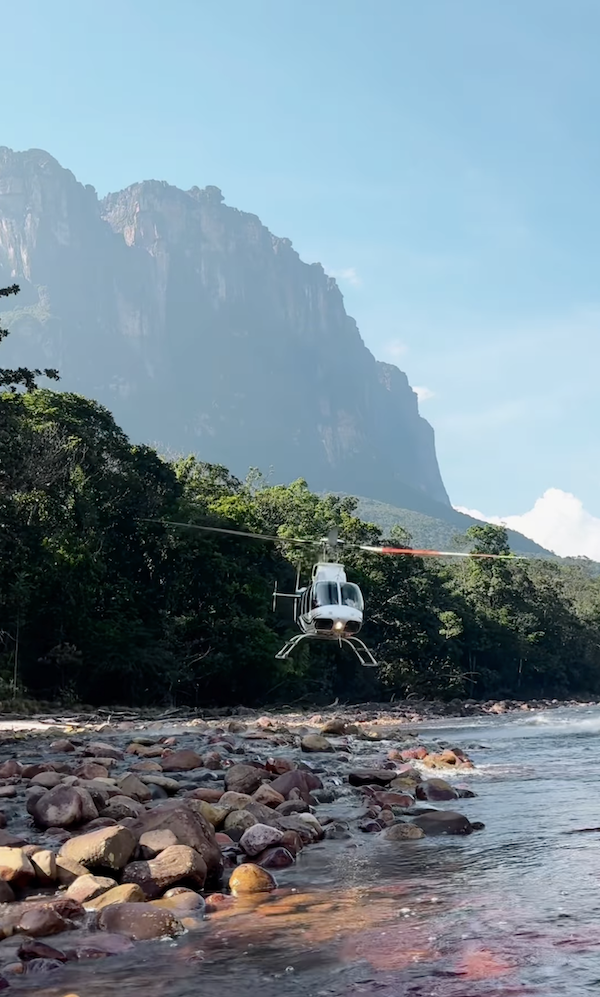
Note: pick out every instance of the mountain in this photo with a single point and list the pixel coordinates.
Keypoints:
(203, 332)
(437, 532)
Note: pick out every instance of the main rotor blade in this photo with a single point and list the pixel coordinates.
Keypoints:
(437, 553)
(233, 533)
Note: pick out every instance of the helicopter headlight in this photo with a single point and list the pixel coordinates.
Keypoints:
(338, 625)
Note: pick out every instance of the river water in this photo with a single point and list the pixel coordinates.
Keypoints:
(511, 910)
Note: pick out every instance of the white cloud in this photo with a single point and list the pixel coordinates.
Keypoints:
(424, 394)
(557, 521)
(349, 274)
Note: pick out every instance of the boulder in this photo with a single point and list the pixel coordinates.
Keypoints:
(235, 801)
(89, 887)
(190, 828)
(176, 864)
(437, 822)
(42, 921)
(297, 779)
(250, 878)
(316, 743)
(92, 770)
(48, 780)
(435, 791)
(268, 796)
(62, 746)
(127, 893)
(6, 894)
(139, 921)
(131, 786)
(259, 837)
(170, 786)
(101, 750)
(152, 843)
(275, 858)
(107, 848)
(181, 761)
(15, 868)
(67, 871)
(64, 806)
(121, 807)
(334, 727)
(394, 799)
(244, 778)
(239, 820)
(44, 866)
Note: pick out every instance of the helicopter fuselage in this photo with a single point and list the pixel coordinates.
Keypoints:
(330, 607)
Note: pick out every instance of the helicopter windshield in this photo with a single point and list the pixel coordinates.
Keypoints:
(352, 596)
(325, 594)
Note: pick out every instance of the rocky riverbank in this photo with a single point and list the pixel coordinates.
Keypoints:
(118, 833)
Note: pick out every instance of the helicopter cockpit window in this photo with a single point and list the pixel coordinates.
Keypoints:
(325, 594)
(352, 596)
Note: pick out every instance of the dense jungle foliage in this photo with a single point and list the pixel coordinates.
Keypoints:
(102, 604)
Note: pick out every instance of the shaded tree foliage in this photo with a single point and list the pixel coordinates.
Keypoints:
(101, 600)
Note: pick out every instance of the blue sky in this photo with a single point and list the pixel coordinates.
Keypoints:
(441, 157)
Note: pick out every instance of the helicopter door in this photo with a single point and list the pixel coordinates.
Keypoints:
(325, 594)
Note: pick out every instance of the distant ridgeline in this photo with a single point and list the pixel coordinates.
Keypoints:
(204, 333)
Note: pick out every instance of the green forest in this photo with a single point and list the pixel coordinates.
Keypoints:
(101, 604)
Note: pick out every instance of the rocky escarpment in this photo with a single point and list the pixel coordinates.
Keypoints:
(204, 332)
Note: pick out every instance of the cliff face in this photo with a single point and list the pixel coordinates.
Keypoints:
(204, 332)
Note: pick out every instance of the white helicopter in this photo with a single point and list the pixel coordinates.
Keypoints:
(330, 607)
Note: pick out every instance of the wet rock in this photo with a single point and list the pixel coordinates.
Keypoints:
(152, 843)
(259, 837)
(443, 822)
(316, 743)
(10, 768)
(33, 949)
(15, 868)
(306, 833)
(41, 922)
(190, 828)
(139, 921)
(250, 878)
(7, 792)
(97, 945)
(268, 796)
(403, 832)
(101, 750)
(435, 791)
(297, 779)
(42, 966)
(6, 893)
(336, 831)
(278, 766)
(126, 893)
(181, 900)
(170, 786)
(208, 795)
(213, 812)
(62, 746)
(244, 779)
(275, 858)
(370, 826)
(213, 761)
(181, 761)
(264, 815)
(394, 799)
(334, 727)
(289, 807)
(108, 848)
(371, 777)
(175, 864)
(89, 887)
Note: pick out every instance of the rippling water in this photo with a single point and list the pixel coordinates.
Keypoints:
(512, 910)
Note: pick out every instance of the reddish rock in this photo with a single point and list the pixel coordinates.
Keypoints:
(292, 841)
(181, 761)
(98, 944)
(40, 922)
(63, 807)
(89, 887)
(99, 749)
(268, 796)
(10, 769)
(48, 780)
(279, 766)
(259, 837)
(244, 778)
(15, 867)
(33, 949)
(298, 779)
(62, 746)
(223, 840)
(92, 770)
(208, 795)
(213, 761)
(394, 799)
(275, 858)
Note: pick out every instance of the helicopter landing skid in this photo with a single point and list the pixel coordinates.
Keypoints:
(361, 650)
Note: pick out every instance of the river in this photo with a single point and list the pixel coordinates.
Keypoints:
(511, 910)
